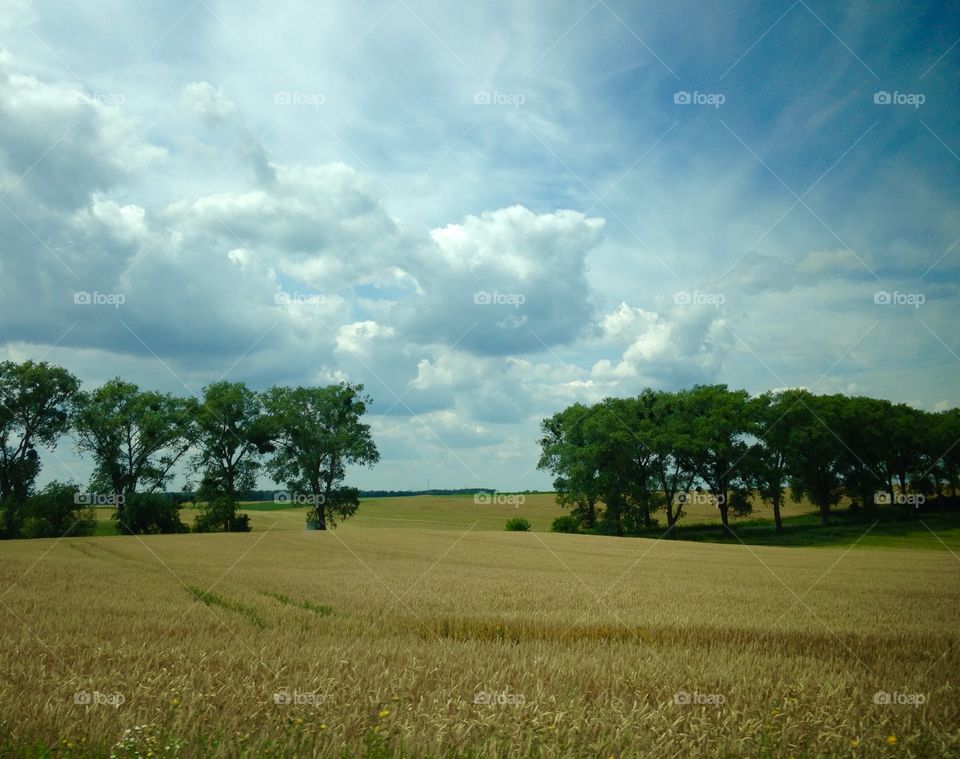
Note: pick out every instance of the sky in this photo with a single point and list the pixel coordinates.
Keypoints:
(482, 212)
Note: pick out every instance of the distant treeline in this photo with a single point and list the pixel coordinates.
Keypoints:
(618, 462)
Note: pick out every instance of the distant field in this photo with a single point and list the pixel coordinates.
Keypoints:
(701, 523)
(380, 641)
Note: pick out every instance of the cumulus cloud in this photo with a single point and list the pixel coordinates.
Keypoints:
(685, 347)
(506, 281)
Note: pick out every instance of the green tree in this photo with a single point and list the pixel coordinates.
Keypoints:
(942, 451)
(619, 431)
(232, 434)
(817, 457)
(766, 460)
(35, 399)
(864, 428)
(135, 436)
(718, 421)
(668, 434)
(565, 454)
(318, 432)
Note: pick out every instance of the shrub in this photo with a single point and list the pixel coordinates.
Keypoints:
(566, 523)
(740, 503)
(54, 513)
(149, 514)
(220, 515)
(518, 524)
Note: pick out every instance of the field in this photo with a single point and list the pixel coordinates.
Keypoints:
(451, 637)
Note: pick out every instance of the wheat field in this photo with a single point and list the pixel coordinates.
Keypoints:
(376, 641)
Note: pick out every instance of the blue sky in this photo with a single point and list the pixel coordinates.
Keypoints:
(482, 213)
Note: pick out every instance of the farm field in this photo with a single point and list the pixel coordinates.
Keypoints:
(461, 513)
(376, 641)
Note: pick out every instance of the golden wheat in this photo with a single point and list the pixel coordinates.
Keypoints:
(427, 642)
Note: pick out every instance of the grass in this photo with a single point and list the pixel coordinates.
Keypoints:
(888, 529)
(211, 599)
(321, 609)
(701, 522)
(474, 642)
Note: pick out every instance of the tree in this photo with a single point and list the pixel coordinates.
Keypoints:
(136, 437)
(624, 462)
(942, 451)
(668, 434)
(318, 432)
(816, 457)
(718, 421)
(232, 434)
(907, 429)
(564, 453)
(864, 428)
(35, 400)
(766, 460)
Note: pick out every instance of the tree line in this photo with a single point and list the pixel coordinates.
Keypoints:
(618, 462)
(304, 437)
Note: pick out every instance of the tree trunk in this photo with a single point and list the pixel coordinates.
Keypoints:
(591, 517)
(778, 520)
(724, 514)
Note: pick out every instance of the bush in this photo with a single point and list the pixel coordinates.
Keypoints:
(518, 524)
(740, 503)
(566, 523)
(149, 514)
(220, 515)
(53, 513)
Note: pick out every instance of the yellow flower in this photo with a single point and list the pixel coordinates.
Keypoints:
(854, 743)
(175, 701)
(891, 740)
(299, 720)
(384, 713)
(323, 725)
